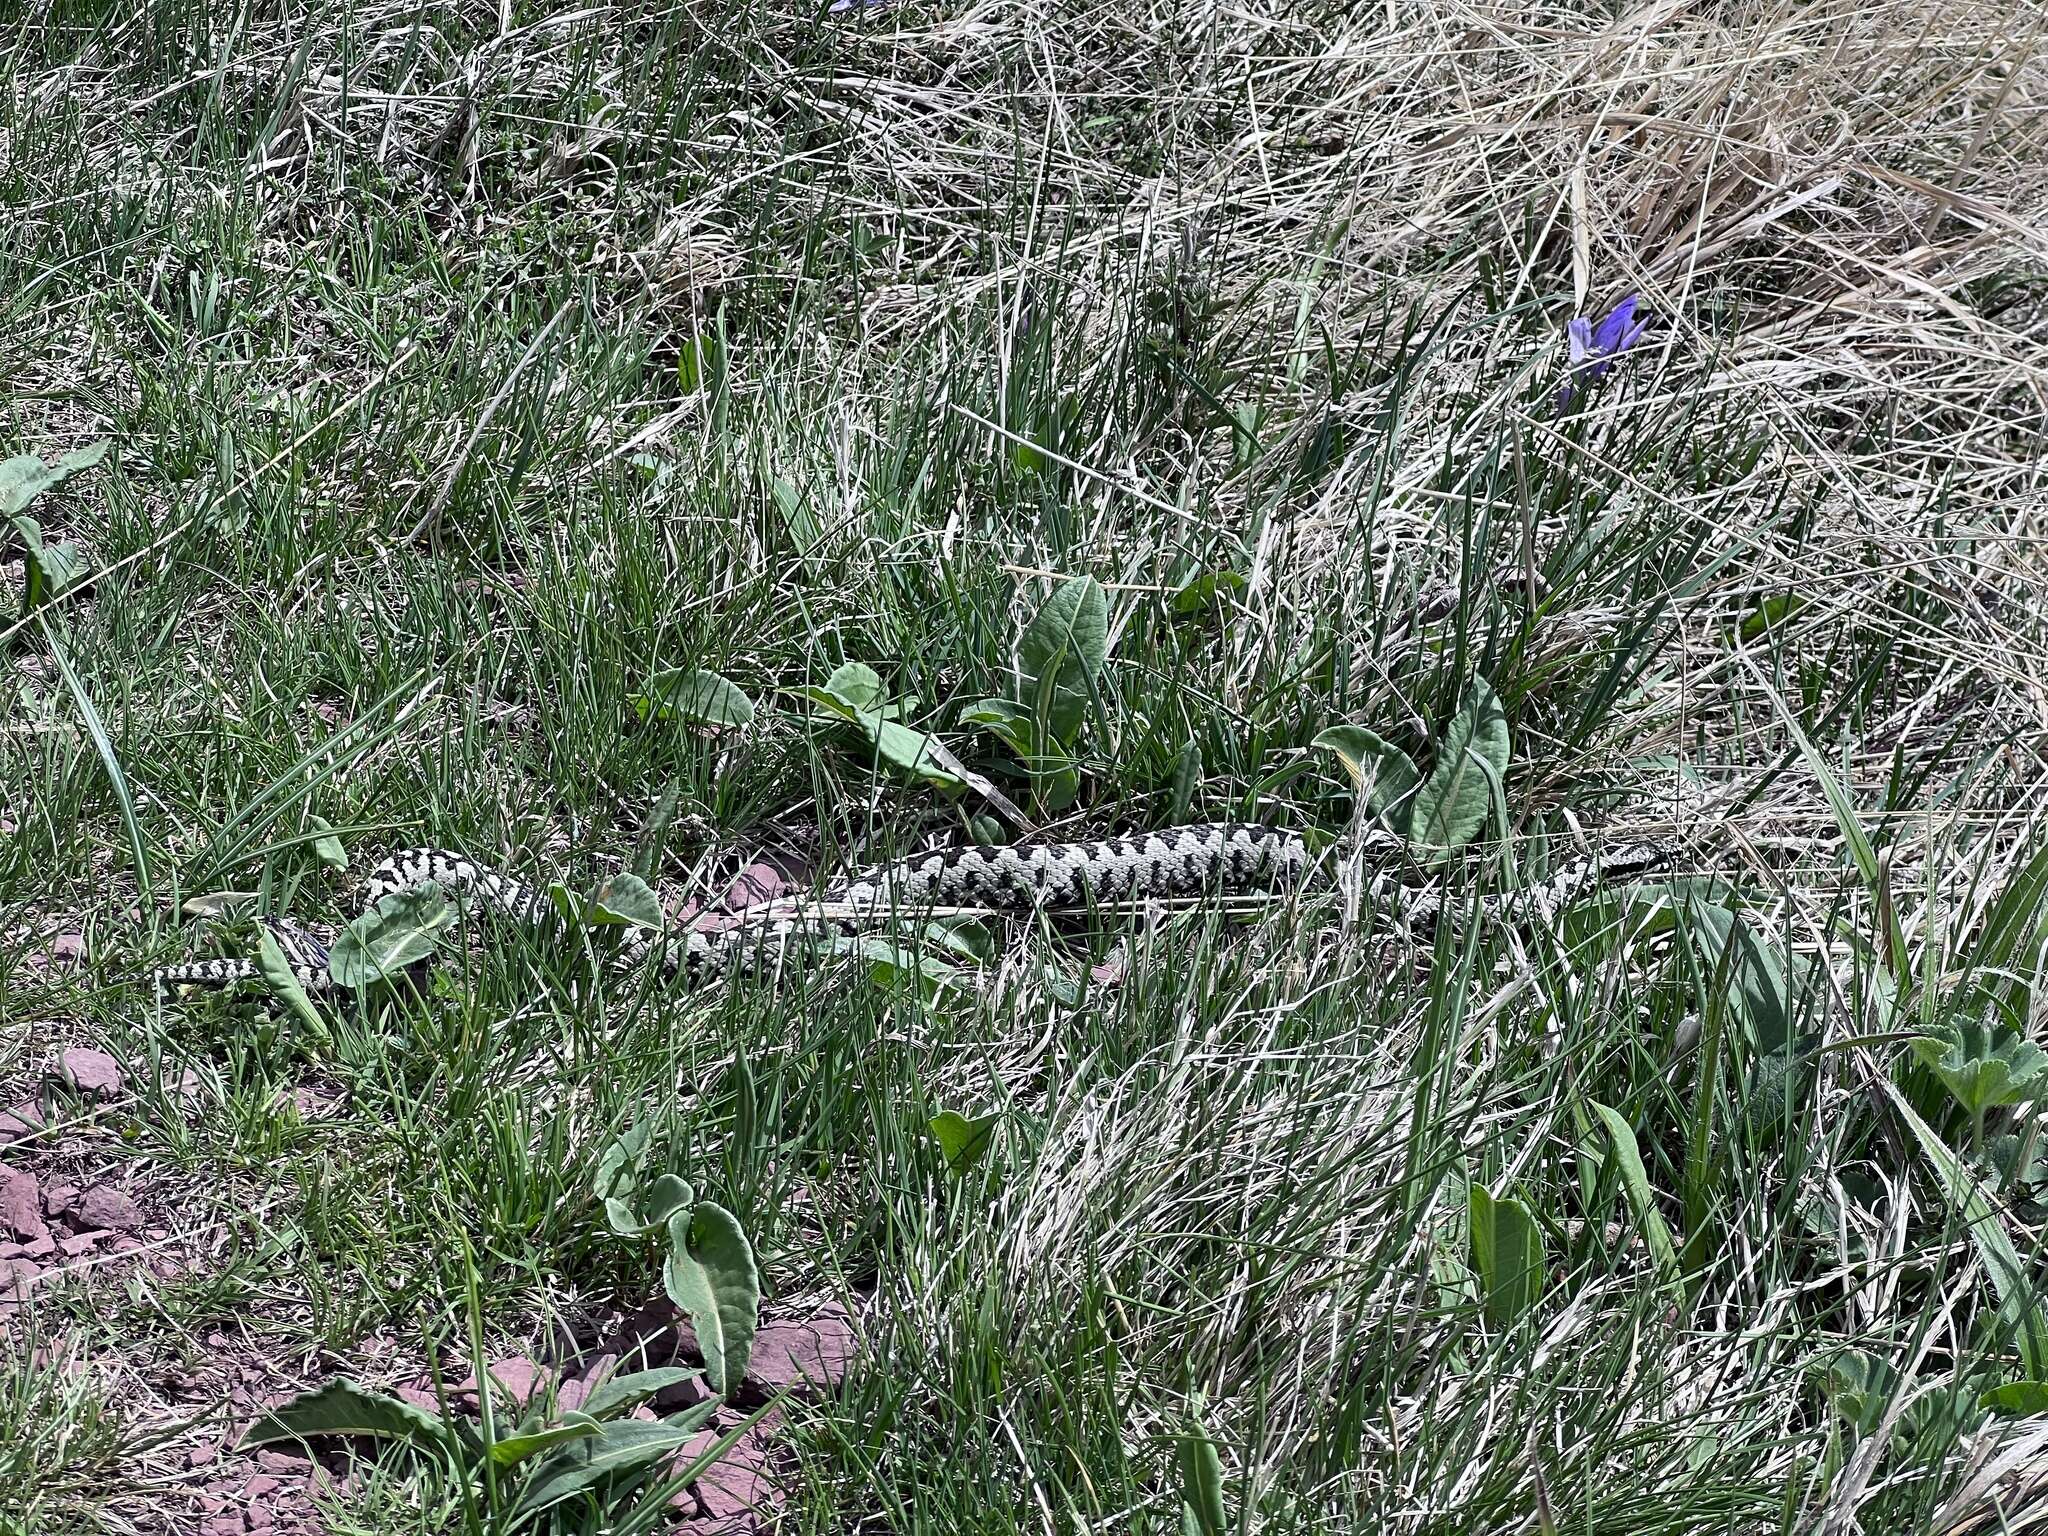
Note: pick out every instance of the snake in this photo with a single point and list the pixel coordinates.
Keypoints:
(1222, 859)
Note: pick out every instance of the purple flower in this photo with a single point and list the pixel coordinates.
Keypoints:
(1595, 347)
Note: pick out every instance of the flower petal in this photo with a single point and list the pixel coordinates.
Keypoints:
(1607, 337)
(1580, 335)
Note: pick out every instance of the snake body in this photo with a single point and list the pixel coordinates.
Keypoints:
(1222, 859)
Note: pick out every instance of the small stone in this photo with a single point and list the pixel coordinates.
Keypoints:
(202, 1456)
(60, 1198)
(82, 1243)
(282, 1463)
(422, 1400)
(21, 1122)
(518, 1376)
(93, 1073)
(261, 1487)
(40, 1248)
(107, 1207)
(812, 1355)
(21, 1205)
(739, 1483)
(16, 1278)
(126, 1244)
(258, 1517)
(212, 1504)
(222, 1525)
(68, 948)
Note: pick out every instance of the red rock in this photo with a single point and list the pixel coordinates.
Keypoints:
(21, 1205)
(68, 948)
(261, 1487)
(81, 1243)
(757, 883)
(93, 1073)
(60, 1198)
(422, 1400)
(811, 1356)
(739, 1483)
(223, 1525)
(108, 1207)
(126, 1244)
(257, 1517)
(21, 1122)
(41, 1248)
(518, 1375)
(16, 1278)
(282, 1462)
(202, 1456)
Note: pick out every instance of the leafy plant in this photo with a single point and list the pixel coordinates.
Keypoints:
(553, 1454)
(1440, 814)
(48, 570)
(401, 930)
(622, 901)
(1507, 1251)
(1202, 1511)
(962, 1139)
(855, 702)
(709, 1270)
(696, 697)
(1984, 1067)
(1060, 657)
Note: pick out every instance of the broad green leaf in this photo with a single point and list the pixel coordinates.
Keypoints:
(277, 971)
(2017, 1399)
(58, 568)
(828, 702)
(892, 965)
(909, 750)
(624, 1445)
(25, 477)
(1770, 613)
(622, 1394)
(1062, 652)
(1985, 1068)
(619, 1168)
(1507, 1250)
(1378, 770)
(342, 1407)
(1011, 723)
(1201, 1480)
(1452, 806)
(1201, 591)
(858, 687)
(403, 928)
(696, 697)
(625, 899)
(514, 1449)
(665, 1196)
(961, 1139)
(218, 904)
(567, 904)
(327, 847)
(2019, 1303)
(1635, 1184)
(710, 1274)
(1858, 1387)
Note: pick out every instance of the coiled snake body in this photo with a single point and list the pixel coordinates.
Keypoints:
(1222, 859)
